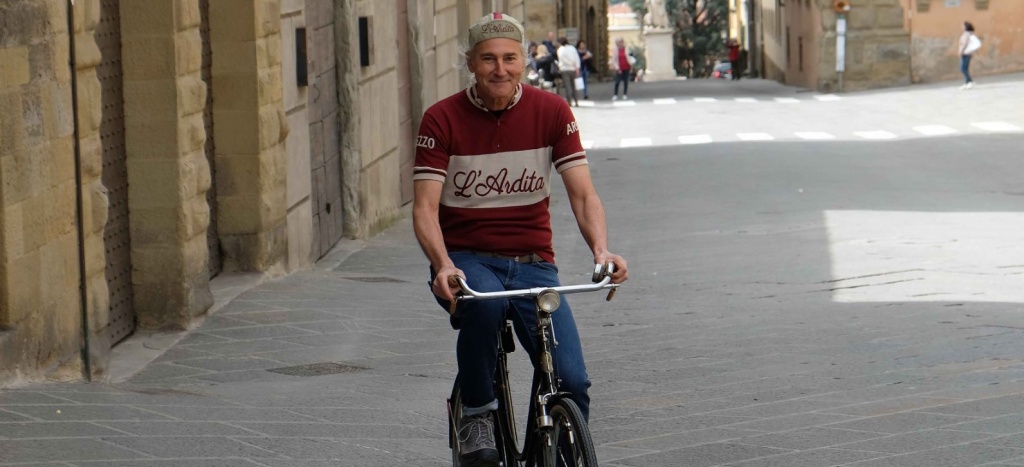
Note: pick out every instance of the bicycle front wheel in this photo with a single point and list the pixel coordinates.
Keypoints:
(571, 444)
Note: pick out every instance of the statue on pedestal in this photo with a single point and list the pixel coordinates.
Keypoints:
(656, 17)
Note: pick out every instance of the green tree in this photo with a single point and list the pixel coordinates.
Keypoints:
(700, 29)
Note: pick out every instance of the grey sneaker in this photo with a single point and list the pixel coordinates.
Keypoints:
(476, 436)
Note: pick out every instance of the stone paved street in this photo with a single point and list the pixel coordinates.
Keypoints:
(792, 304)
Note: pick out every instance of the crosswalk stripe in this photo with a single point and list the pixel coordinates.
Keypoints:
(705, 99)
(587, 144)
(635, 142)
(746, 100)
(755, 136)
(694, 139)
(934, 130)
(815, 135)
(623, 103)
(996, 126)
(875, 134)
(586, 104)
(664, 101)
(827, 97)
(787, 100)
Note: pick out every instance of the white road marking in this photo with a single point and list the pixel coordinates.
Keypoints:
(694, 139)
(587, 104)
(934, 130)
(755, 136)
(587, 144)
(664, 101)
(787, 100)
(827, 97)
(746, 100)
(814, 135)
(623, 103)
(705, 99)
(997, 126)
(875, 134)
(635, 142)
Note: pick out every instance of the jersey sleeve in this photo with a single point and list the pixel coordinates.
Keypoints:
(567, 149)
(431, 150)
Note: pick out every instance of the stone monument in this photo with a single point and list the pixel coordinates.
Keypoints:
(658, 43)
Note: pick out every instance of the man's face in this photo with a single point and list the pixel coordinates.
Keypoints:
(498, 65)
(620, 43)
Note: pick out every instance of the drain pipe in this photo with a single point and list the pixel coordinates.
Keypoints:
(83, 293)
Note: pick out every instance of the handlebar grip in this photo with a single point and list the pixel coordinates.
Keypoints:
(453, 281)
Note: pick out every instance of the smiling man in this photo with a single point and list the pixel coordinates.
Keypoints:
(481, 193)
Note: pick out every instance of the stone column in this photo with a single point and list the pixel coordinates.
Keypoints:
(250, 128)
(168, 174)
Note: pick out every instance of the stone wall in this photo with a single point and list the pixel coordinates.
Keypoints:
(877, 47)
(250, 128)
(40, 304)
(168, 173)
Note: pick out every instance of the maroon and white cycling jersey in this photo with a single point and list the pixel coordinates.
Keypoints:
(496, 168)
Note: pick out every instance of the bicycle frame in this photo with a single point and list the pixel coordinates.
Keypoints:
(544, 388)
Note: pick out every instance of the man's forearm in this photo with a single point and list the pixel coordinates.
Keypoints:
(428, 233)
(593, 226)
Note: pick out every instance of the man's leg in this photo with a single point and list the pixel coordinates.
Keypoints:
(625, 83)
(476, 352)
(570, 86)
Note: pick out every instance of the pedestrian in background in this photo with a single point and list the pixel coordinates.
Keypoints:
(621, 63)
(548, 66)
(969, 43)
(734, 58)
(586, 65)
(569, 69)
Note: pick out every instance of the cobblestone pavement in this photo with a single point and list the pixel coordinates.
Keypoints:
(739, 341)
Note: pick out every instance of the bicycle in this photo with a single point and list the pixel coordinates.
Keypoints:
(556, 433)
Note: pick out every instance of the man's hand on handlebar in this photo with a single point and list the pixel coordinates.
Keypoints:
(444, 288)
(621, 272)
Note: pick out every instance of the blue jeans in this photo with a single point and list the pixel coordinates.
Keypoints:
(586, 76)
(623, 77)
(965, 67)
(480, 321)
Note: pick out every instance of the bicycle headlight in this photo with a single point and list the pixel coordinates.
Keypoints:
(549, 300)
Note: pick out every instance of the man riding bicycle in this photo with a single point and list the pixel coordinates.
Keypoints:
(481, 187)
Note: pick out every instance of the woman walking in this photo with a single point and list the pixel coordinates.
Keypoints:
(969, 43)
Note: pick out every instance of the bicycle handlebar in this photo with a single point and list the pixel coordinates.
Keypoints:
(602, 272)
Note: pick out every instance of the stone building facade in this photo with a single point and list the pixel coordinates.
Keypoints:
(148, 146)
(935, 27)
(887, 42)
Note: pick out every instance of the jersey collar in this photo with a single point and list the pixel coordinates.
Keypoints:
(479, 103)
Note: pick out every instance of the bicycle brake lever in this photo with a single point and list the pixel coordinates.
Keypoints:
(611, 294)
